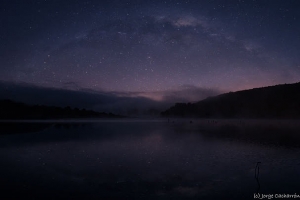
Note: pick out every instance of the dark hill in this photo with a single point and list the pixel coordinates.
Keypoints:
(280, 101)
(15, 110)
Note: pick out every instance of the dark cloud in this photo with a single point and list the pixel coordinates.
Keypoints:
(129, 103)
(189, 93)
(83, 98)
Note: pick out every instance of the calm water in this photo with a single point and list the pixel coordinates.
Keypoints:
(149, 159)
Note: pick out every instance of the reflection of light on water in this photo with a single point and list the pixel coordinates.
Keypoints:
(167, 159)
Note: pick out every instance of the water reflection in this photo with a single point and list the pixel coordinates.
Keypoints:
(149, 160)
(15, 128)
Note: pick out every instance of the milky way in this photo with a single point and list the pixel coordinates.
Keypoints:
(151, 47)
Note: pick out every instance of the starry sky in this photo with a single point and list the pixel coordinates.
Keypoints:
(150, 48)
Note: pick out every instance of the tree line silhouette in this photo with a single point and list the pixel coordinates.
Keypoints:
(16, 110)
(280, 101)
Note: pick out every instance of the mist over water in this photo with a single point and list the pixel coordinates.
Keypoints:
(149, 159)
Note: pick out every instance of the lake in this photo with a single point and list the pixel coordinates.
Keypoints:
(149, 159)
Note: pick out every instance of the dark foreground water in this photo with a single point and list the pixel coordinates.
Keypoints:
(150, 159)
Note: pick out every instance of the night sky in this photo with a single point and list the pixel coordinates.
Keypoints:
(150, 48)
